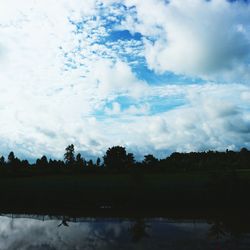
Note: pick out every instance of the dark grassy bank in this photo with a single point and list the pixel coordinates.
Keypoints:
(123, 193)
(183, 181)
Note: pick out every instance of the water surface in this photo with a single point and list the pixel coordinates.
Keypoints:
(60, 232)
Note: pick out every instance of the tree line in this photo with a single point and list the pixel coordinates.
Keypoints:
(116, 158)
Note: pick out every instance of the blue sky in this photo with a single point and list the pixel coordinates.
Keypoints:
(154, 76)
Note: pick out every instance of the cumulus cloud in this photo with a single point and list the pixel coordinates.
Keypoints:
(208, 39)
(214, 117)
(208, 121)
(116, 109)
(115, 78)
(62, 82)
(52, 79)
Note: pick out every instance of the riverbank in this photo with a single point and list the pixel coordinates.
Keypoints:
(123, 193)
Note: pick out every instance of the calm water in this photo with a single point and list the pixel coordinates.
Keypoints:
(51, 233)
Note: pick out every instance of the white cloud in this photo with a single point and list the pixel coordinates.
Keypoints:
(44, 105)
(53, 79)
(208, 39)
(115, 78)
(214, 118)
(131, 110)
(116, 109)
(246, 96)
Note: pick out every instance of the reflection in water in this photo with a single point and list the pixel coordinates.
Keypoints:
(89, 233)
(139, 230)
(64, 222)
(217, 230)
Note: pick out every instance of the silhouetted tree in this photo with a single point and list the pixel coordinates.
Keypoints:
(150, 161)
(244, 158)
(11, 157)
(115, 158)
(80, 162)
(24, 164)
(90, 164)
(69, 155)
(13, 161)
(244, 151)
(98, 162)
(38, 163)
(2, 161)
(130, 160)
(60, 164)
(55, 164)
(43, 162)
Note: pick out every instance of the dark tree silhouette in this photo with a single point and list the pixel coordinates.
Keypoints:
(139, 230)
(69, 155)
(24, 163)
(150, 161)
(80, 162)
(130, 160)
(43, 162)
(90, 164)
(244, 151)
(11, 157)
(2, 161)
(98, 162)
(117, 158)
(13, 161)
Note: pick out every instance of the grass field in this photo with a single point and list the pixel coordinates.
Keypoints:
(122, 191)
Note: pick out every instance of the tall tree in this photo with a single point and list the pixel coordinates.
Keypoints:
(98, 162)
(69, 155)
(2, 161)
(90, 163)
(13, 161)
(80, 161)
(11, 157)
(130, 160)
(43, 162)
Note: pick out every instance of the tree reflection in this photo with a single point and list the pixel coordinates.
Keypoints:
(233, 226)
(64, 222)
(139, 230)
(217, 230)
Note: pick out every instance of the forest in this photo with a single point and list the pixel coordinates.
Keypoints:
(117, 160)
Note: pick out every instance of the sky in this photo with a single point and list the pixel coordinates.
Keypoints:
(154, 76)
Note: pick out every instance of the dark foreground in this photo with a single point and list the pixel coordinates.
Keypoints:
(125, 194)
(137, 210)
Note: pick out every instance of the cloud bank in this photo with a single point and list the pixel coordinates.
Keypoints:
(208, 39)
(81, 72)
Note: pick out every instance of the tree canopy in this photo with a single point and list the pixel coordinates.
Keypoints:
(117, 159)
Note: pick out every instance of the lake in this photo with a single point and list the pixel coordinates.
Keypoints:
(40, 232)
